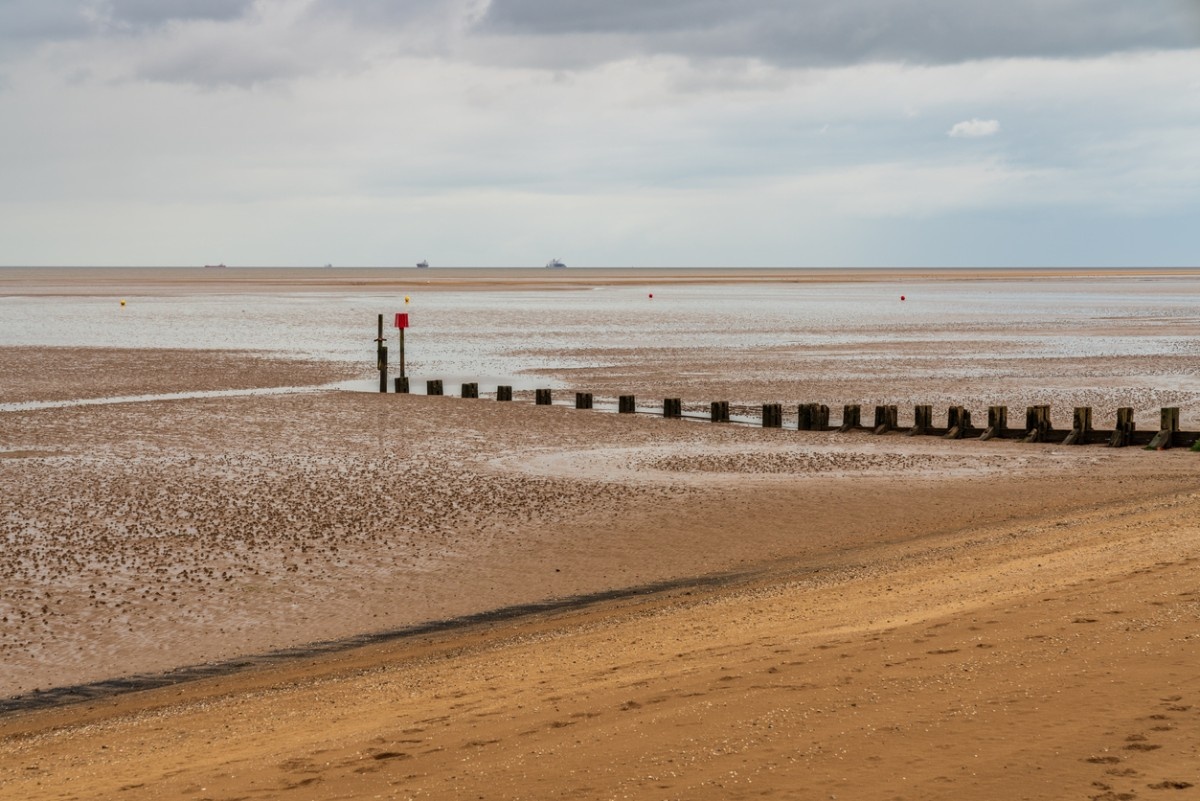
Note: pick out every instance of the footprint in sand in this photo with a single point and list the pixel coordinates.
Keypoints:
(1137, 742)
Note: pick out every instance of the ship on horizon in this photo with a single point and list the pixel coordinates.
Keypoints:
(220, 266)
(554, 264)
(422, 264)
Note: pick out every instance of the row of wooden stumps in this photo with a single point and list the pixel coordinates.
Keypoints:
(1037, 428)
(816, 417)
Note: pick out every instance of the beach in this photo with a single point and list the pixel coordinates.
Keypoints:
(235, 572)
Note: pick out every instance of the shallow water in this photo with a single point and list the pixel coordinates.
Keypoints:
(30, 406)
(507, 333)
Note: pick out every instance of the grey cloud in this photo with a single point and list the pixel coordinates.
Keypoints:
(215, 67)
(149, 13)
(28, 23)
(778, 31)
(579, 33)
(33, 20)
(846, 31)
(378, 12)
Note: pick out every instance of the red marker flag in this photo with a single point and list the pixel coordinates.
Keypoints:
(401, 320)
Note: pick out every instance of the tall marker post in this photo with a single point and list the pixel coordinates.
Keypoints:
(402, 323)
(381, 356)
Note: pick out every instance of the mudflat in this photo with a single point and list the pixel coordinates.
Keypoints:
(408, 596)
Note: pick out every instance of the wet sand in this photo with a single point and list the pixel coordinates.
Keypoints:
(897, 618)
(33, 374)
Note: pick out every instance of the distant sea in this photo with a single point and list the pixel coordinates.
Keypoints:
(503, 332)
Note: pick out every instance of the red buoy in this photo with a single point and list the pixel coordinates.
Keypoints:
(651, 294)
(901, 297)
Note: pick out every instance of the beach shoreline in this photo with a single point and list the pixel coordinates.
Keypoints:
(668, 607)
(930, 687)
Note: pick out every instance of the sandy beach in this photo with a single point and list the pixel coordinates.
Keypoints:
(328, 593)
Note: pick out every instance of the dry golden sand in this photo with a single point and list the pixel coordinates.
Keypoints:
(890, 617)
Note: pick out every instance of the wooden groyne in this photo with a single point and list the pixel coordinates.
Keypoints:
(959, 424)
(816, 416)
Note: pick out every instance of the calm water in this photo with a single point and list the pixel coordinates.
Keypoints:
(506, 333)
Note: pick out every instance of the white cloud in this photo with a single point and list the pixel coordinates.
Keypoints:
(974, 128)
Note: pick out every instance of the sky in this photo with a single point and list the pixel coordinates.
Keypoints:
(664, 133)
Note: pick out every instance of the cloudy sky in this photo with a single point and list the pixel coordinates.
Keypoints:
(603, 132)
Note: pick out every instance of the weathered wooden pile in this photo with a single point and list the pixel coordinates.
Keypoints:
(816, 417)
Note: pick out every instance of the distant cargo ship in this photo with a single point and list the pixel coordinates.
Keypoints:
(554, 264)
(214, 266)
(422, 264)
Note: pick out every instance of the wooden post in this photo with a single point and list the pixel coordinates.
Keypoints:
(626, 404)
(402, 373)
(1166, 431)
(997, 423)
(468, 390)
(583, 400)
(922, 420)
(401, 383)
(542, 397)
(958, 420)
(719, 411)
(851, 418)
(804, 417)
(885, 419)
(504, 393)
(1123, 432)
(772, 415)
(1037, 423)
(433, 386)
(1043, 418)
(672, 407)
(813, 417)
(381, 357)
(1081, 426)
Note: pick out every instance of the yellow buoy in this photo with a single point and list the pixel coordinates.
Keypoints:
(122, 301)
(406, 298)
